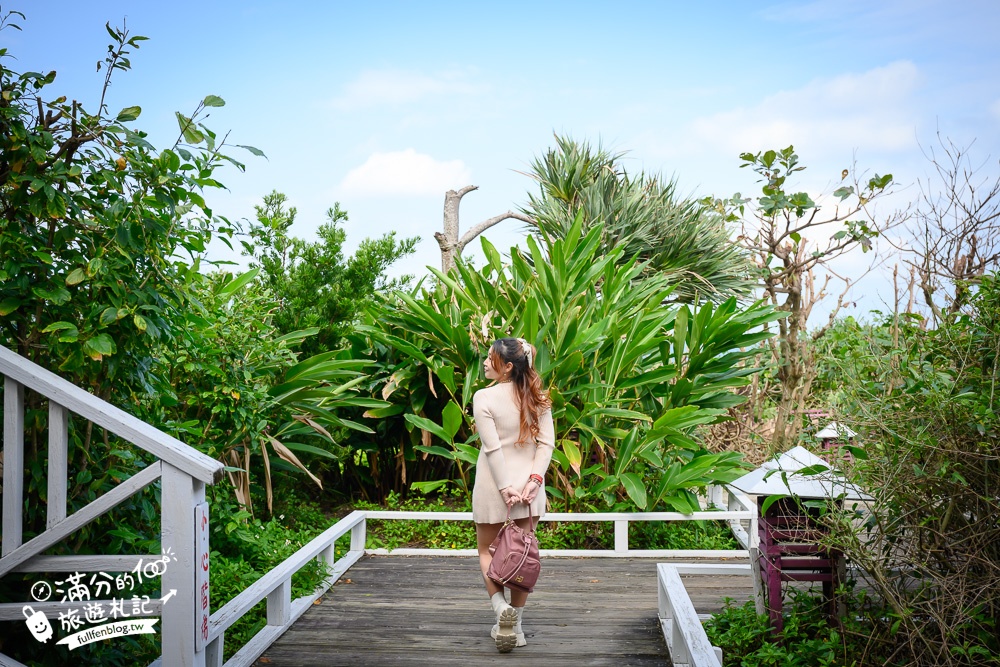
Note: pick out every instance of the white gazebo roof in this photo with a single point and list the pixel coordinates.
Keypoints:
(779, 477)
(835, 430)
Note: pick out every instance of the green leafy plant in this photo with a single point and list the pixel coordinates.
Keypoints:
(923, 402)
(679, 239)
(630, 377)
(235, 388)
(313, 283)
(810, 637)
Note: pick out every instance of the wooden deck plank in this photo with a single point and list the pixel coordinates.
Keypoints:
(584, 612)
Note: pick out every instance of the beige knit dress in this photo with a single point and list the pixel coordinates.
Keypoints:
(502, 462)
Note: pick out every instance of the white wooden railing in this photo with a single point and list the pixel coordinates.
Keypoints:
(182, 472)
(621, 521)
(744, 530)
(276, 588)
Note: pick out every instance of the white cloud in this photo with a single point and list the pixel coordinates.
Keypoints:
(405, 172)
(375, 88)
(873, 110)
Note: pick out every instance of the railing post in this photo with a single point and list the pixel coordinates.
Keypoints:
(715, 496)
(279, 604)
(359, 535)
(621, 536)
(328, 556)
(679, 649)
(214, 651)
(180, 494)
(13, 464)
(662, 600)
(58, 463)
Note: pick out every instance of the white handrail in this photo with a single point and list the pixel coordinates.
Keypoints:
(621, 522)
(105, 415)
(182, 472)
(686, 639)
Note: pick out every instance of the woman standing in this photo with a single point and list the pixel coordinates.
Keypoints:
(514, 420)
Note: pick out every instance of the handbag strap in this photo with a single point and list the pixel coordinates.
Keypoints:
(534, 524)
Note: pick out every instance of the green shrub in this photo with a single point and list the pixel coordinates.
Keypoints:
(681, 535)
(810, 638)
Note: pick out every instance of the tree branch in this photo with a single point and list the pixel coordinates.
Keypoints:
(486, 224)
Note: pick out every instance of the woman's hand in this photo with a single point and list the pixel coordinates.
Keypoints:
(510, 497)
(530, 491)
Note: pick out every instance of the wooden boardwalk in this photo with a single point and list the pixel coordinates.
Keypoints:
(585, 611)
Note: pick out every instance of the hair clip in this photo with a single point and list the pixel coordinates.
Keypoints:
(526, 347)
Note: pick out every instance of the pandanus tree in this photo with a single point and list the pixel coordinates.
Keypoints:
(642, 214)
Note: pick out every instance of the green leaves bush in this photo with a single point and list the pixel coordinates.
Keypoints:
(809, 639)
(924, 402)
(630, 376)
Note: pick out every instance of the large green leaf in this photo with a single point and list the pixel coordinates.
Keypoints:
(429, 426)
(451, 419)
(635, 489)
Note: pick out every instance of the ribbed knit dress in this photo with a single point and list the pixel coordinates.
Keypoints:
(502, 462)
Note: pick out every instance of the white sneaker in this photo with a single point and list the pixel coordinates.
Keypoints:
(521, 641)
(505, 638)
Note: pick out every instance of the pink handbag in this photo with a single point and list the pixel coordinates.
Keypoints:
(515, 557)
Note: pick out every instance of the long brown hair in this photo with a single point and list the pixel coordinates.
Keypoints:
(528, 393)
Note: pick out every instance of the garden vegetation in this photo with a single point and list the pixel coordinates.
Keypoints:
(324, 385)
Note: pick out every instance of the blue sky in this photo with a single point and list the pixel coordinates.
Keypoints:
(383, 106)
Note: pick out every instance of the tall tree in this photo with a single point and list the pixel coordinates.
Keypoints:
(316, 285)
(775, 227)
(641, 213)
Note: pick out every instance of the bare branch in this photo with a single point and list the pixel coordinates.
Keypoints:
(486, 224)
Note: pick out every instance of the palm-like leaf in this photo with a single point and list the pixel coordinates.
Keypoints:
(642, 215)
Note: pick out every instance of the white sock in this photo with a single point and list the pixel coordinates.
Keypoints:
(517, 627)
(499, 602)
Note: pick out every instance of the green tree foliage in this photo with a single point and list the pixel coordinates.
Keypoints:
(629, 378)
(925, 405)
(674, 237)
(234, 387)
(777, 228)
(99, 231)
(315, 285)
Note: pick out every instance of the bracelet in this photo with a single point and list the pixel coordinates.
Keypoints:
(537, 479)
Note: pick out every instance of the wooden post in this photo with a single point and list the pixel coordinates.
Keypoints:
(58, 463)
(214, 651)
(13, 464)
(715, 496)
(279, 604)
(180, 494)
(359, 535)
(328, 556)
(621, 536)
